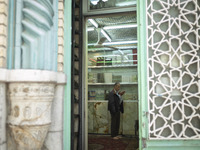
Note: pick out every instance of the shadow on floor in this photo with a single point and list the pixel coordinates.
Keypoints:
(105, 142)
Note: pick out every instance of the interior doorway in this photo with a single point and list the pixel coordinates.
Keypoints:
(110, 57)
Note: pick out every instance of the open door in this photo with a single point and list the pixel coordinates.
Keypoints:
(169, 70)
(111, 57)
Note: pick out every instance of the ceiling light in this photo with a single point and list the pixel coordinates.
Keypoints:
(93, 22)
(126, 57)
(94, 2)
(106, 35)
(120, 26)
(121, 52)
(119, 43)
(104, 0)
(90, 29)
(120, 4)
(106, 55)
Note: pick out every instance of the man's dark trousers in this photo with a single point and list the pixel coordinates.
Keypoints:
(115, 121)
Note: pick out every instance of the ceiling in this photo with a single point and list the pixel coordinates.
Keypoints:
(119, 33)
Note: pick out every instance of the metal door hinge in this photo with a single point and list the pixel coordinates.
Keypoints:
(144, 145)
(145, 113)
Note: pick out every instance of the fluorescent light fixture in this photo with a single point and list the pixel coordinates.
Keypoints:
(106, 55)
(106, 35)
(121, 52)
(104, 0)
(90, 29)
(94, 2)
(93, 22)
(121, 4)
(117, 43)
(126, 57)
(120, 26)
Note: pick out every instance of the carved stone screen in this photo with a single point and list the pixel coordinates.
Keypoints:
(173, 28)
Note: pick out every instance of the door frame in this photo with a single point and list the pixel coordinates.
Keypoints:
(85, 74)
(142, 74)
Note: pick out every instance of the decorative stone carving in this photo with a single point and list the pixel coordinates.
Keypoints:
(30, 94)
(29, 117)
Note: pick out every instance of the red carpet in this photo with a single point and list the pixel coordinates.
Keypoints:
(104, 142)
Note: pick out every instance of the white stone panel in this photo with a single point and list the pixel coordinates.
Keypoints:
(2, 116)
(54, 141)
(57, 109)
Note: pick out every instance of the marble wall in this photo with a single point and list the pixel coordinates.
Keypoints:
(129, 117)
(99, 117)
(101, 123)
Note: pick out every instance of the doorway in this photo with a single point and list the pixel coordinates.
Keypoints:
(110, 57)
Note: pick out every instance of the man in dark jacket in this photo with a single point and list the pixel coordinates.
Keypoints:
(115, 106)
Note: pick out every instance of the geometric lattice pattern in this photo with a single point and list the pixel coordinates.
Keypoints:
(173, 44)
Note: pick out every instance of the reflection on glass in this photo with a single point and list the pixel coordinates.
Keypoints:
(101, 4)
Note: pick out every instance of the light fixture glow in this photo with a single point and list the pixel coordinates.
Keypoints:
(121, 4)
(126, 58)
(117, 43)
(94, 2)
(90, 29)
(104, 0)
(121, 52)
(120, 26)
(93, 22)
(106, 35)
(106, 56)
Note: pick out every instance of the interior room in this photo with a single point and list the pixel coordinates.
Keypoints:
(112, 57)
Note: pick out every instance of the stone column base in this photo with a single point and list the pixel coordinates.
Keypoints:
(30, 95)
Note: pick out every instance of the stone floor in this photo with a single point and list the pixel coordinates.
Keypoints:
(105, 142)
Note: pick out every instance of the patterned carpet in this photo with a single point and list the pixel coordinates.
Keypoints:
(105, 142)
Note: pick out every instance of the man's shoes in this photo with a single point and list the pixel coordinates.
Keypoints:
(115, 138)
(119, 136)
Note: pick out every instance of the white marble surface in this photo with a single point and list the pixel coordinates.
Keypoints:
(3, 147)
(29, 114)
(3, 75)
(129, 117)
(57, 109)
(54, 141)
(90, 117)
(2, 116)
(30, 103)
(101, 117)
(30, 97)
(30, 75)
